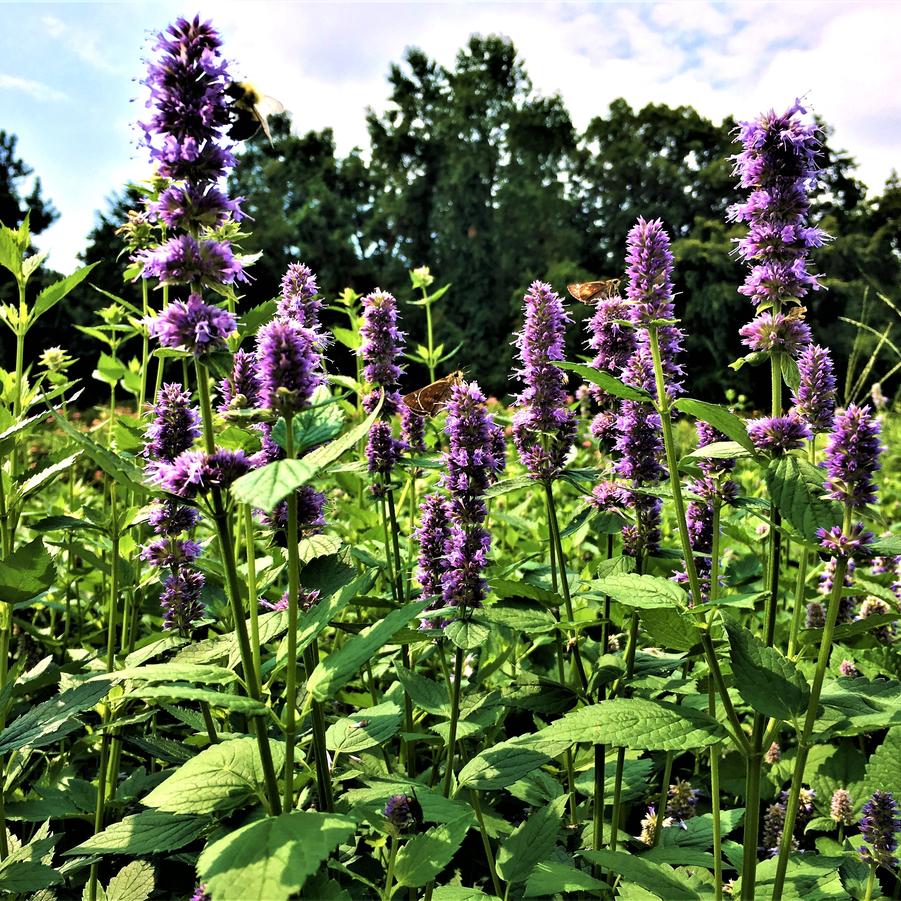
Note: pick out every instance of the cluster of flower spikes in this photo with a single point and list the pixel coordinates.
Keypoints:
(190, 109)
(381, 348)
(613, 344)
(544, 429)
(774, 821)
(475, 457)
(172, 432)
(288, 368)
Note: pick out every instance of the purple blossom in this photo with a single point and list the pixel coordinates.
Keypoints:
(543, 428)
(841, 809)
(873, 606)
(307, 598)
(778, 434)
(852, 457)
(310, 514)
(609, 497)
(640, 444)
(878, 826)
(412, 429)
(170, 518)
(200, 893)
(289, 366)
(837, 543)
(193, 326)
(383, 451)
(815, 617)
(175, 425)
(382, 346)
(180, 600)
(784, 332)
(613, 344)
(649, 263)
(432, 535)
(242, 388)
(778, 163)
(185, 260)
(168, 552)
(708, 435)
(814, 399)
(189, 207)
(300, 300)
(401, 812)
(270, 450)
(682, 800)
(847, 669)
(196, 472)
(773, 824)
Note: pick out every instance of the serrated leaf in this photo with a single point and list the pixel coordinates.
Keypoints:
(606, 381)
(424, 856)
(732, 426)
(148, 832)
(670, 628)
(770, 683)
(266, 486)
(505, 486)
(178, 672)
(657, 878)
(10, 253)
(636, 723)
(20, 876)
(508, 588)
(253, 318)
(365, 729)
(533, 840)
(28, 572)
(883, 770)
(271, 859)
(342, 665)
(467, 633)
(521, 615)
(642, 591)
(133, 882)
(46, 475)
(796, 488)
(550, 877)
(53, 294)
(312, 427)
(720, 450)
(217, 699)
(426, 694)
(501, 765)
(221, 777)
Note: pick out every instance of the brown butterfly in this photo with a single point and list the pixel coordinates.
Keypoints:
(429, 400)
(589, 292)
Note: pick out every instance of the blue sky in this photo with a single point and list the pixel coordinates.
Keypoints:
(69, 72)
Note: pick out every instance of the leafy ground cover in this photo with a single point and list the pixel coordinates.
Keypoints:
(268, 630)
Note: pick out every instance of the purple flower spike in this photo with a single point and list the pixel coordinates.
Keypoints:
(649, 263)
(242, 388)
(195, 472)
(814, 400)
(840, 545)
(382, 346)
(170, 518)
(300, 300)
(543, 428)
(778, 434)
(852, 457)
(183, 260)
(193, 326)
(783, 332)
(878, 826)
(412, 429)
(180, 600)
(778, 163)
(289, 366)
(402, 812)
(432, 535)
(175, 426)
(383, 451)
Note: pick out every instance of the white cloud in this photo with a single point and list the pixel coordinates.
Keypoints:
(86, 45)
(34, 89)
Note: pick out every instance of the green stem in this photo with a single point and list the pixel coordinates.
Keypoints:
(801, 584)
(455, 714)
(291, 665)
(389, 876)
(250, 551)
(486, 844)
(623, 686)
(233, 590)
(804, 743)
(664, 797)
(428, 329)
(554, 528)
(715, 803)
(871, 883)
(600, 751)
(145, 348)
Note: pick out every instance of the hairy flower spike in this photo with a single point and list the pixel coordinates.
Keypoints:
(852, 457)
(382, 346)
(289, 366)
(777, 435)
(300, 301)
(783, 332)
(432, 535)
(193, 326)
(878, 826)
(814, 399)
(841, 809)
(175, 426)
(543, 428)
(241, 389)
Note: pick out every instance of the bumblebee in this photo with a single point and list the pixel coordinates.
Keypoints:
(249, 110)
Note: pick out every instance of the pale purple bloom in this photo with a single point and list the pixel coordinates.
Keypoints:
(814, 399)
(189, 207)
(873, 606)
(841, 809)
(382, 346)
(185, 260)
(180, 600)
(270, 450)
(402, 812)
(196, 472)
(175, 425)
(200, 893)
(610, 497)
(310, 514)
(193, 326)
(170, 518)
(780, 332)
(307, 598)
(168, 552)
(543, 428)
(383, 451)
(837, 543)
(849, 671)
(852, 457)
(288, 366)
(878, 826)
(241, 389)
(300, 301)
(778, 434)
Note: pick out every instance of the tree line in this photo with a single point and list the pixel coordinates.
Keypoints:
(476, 175)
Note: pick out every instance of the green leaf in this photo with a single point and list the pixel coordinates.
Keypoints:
(424, 856)
(177, 672)
(133, 882)
(148, 832)
(256, 316)
(10, 252)
(342, 665)
(218, 699)
(532, 841)
(671, 628)
(889, 546)
(605, 380)
(8, 437)
(312, 427)
(28, 572)
(53, 294)
(46, 475)
(770, 683)
(508, 588)
(505, 486)
(501, 765)
(48, 722)
(467, 633)
(655, 877)
(796, 488)
(347, 337)
(271, 859)
(719, 450)
(366, 729)
(732, 426)
(642, 591)
(221, 777)
(266, 486)
(21, 876)
(635, 723)
(551, 878)
(884, 766)
(520, 615)
(425, 694)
